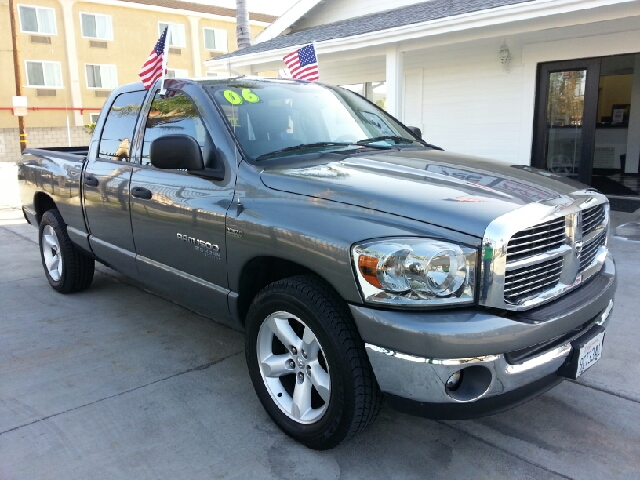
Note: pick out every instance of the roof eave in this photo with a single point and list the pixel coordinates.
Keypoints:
(492, 17)
(288, 18)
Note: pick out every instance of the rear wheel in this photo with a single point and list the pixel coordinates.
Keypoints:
(66, 267)
(308, 364)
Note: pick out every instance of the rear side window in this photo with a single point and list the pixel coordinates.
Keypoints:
(117, 134)
(173, 113)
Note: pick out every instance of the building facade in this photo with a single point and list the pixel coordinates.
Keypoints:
(72, 54)
(550, 83)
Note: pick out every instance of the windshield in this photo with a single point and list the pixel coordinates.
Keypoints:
(276, 118)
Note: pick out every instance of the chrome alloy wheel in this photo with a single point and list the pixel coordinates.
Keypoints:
(51, 252)
(293, 367)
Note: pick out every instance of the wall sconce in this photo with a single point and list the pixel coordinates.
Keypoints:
(505, 57)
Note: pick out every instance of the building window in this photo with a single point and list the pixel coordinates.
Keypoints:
(37, 20)
(215, 39)
(175, 35)
(177, 73)
(44, 74)
(96, 26)
(101, 76)
(93, 117)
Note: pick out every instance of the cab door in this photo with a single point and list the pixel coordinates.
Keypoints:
(106, 184)
(178, 219)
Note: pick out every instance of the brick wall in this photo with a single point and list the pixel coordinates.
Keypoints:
(40, 137)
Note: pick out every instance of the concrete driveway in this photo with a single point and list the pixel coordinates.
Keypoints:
(116, 382)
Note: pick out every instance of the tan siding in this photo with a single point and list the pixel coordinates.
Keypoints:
(7, 86)
(135, 31)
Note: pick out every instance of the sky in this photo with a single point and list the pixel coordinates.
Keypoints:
(271, 7)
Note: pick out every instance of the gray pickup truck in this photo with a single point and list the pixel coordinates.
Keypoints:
(358, 259)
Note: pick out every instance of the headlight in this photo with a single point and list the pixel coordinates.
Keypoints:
(415, 272)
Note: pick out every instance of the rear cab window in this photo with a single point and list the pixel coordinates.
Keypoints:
(117, 133)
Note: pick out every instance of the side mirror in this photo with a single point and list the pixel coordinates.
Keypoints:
(176, 152)
(416, 131)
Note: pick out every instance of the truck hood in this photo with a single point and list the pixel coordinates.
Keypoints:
(452, 191)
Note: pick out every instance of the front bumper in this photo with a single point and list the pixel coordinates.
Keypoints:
(505, 359)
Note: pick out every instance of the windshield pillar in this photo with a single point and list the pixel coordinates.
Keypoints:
(395, 80)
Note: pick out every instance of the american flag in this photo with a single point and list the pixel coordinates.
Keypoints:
(303, 63)
(154, 67)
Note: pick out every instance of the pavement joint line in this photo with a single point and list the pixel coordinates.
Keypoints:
(204, 366)
(608, 392)
(127, 281)
(504, 450)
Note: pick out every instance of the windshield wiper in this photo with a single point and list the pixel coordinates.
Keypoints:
(304, 146)
(397, 139)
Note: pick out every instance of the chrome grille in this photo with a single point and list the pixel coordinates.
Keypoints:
(589, 250)
(592, 218)
(543, 250)
(541, 238)
(530, 280)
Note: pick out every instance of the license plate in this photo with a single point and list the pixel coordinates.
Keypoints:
(589, 354)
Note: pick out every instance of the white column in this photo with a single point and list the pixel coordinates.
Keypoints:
(196, 56)
(395, 77)
(633, 137)
(72, 59)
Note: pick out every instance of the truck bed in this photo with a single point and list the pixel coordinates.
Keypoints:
(82, 151)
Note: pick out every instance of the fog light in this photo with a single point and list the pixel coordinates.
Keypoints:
(454, 381)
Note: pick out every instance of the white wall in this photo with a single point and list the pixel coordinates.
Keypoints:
(470, 104)
(365, 69)
(329, 11)
(459, 96)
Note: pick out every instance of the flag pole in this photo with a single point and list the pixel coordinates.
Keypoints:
(164, 60)
(315, 51)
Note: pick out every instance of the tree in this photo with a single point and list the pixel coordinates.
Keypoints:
(242, 24)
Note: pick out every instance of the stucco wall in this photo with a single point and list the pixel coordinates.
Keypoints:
(135, 31)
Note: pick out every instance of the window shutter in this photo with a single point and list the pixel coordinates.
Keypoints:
(91, 79)
(103, 27)
(35, 75)
(220, 39)
(209, 39)
(161, 27)
(52, 75)
(88, 25)
(46, 21)
(179, 35)
(109, 76)
(28, 19)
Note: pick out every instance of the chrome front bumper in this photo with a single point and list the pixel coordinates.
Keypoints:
(424, 379)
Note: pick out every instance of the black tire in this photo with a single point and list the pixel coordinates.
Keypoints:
(76, 273)
(355, 397)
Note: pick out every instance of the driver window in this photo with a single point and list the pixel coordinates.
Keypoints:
(172, 113)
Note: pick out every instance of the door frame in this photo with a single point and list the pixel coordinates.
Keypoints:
(539, 144)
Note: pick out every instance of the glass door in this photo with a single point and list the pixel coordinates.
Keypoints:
(566, 109)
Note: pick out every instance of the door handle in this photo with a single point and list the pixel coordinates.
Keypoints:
(90, 180)
(141, 192)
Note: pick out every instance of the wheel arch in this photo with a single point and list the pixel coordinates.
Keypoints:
(261, 271)
(42, 203)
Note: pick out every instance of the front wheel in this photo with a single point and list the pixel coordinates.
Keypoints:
(308, 364)
(67, 268)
